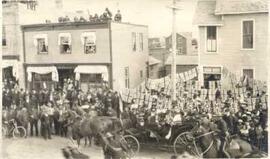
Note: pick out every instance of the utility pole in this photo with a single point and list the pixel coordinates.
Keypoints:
(173, 65)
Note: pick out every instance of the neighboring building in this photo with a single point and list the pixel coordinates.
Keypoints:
(187, 54)
(158, 56)
(12, 50)
(15, 14)
(233, 35)
(90, 53)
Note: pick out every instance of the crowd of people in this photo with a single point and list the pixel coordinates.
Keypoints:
(105, 16)
(239, 119)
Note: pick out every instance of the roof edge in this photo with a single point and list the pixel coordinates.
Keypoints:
(249, 12)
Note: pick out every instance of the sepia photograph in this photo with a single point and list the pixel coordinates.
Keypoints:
(134, 79)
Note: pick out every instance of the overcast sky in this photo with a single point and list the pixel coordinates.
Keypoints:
(154, 13)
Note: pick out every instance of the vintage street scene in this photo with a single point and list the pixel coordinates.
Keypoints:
(134, 79)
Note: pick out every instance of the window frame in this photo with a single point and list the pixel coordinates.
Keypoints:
(61, 45)
(4, 38)
(242, 25)
(206, 40)
(133, 34)
(248, 68)
(127, 78)
(85, 45)
(141, 37)
(38, 51)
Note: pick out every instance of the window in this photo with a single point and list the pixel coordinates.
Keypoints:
(127, 77)
(89, 42)
(248, 34)
(42, 81)
(134, 41)
(141, 73)
(141, 41)
(41, 43)
(91, 78)
(211, 74)
(65, 43)
(41, 46)
(211, 39)
(249, 73)
(4, 40)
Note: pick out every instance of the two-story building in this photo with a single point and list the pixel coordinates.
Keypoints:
(89, 52)
(232, 35)
(186, 55)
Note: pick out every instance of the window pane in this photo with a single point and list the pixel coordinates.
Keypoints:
(4, 40)
(248, 34)
(248, 73)
(42, 48)
(211, 39)
(134, 41)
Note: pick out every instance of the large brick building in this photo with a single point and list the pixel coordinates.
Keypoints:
(89, 52)
(233, 34)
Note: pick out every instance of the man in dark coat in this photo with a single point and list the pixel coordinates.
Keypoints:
(34, 99)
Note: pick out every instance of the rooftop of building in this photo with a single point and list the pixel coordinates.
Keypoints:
(241, 6)
(71, 23)
(205, 13)
(209, 12)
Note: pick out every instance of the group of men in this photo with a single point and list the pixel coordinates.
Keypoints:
(105, 16)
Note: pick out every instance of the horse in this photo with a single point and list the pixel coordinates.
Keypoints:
(80, 127)
(237, 148)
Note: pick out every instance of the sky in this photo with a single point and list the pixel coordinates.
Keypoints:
(154, 13)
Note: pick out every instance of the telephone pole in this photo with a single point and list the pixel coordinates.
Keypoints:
(173, 65)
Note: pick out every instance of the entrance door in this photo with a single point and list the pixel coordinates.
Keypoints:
(211, 77)
(65, 73)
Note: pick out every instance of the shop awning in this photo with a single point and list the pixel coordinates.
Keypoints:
(94, 69)
(42, 70)
(13, 64)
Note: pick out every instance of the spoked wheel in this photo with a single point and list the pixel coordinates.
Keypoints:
(185, 142)
(19, 132)
(132, 144)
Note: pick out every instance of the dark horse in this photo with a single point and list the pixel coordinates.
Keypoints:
(237, 148)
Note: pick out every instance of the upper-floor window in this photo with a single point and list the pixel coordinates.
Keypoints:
(64, 41)
(141, 41)
(126, 77)
(134, 41)
(4, 40)
(211, 41)
(89, 42)
(247, 34)
(41, 43)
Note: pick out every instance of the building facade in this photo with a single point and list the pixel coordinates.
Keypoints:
(186, 55)
(232, 35)
(89, 53)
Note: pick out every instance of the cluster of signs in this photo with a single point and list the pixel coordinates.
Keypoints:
(187, 85)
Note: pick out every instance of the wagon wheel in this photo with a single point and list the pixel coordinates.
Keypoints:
(185, 142)
(132, 144)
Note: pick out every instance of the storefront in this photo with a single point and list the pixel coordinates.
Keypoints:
(211, 74)
(91, 76)
(42, 77)
(10, 70)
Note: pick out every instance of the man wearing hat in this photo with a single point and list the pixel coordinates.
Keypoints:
(112, 148)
